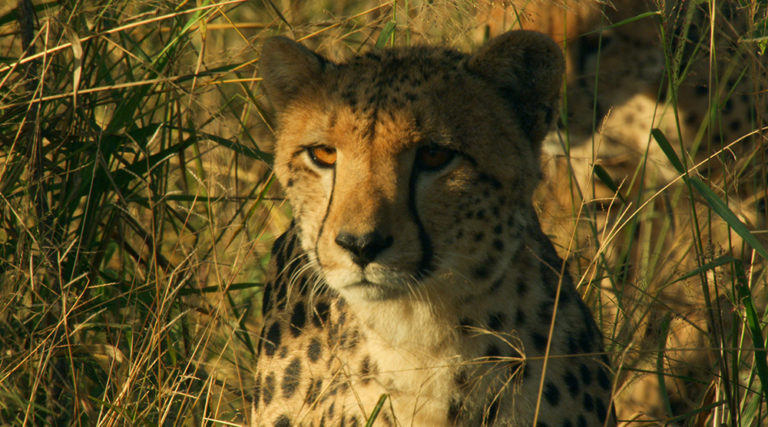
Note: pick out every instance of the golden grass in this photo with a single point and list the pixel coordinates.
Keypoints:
(138, 205)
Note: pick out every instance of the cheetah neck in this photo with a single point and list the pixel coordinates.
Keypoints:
(428, 326)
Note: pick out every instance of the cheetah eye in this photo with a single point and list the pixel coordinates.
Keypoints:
(433, 157)
(322, 156)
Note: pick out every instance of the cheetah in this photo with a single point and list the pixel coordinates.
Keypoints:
(618, 90)
(415, 286)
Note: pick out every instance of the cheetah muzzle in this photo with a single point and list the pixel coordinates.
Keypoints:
(416, 271)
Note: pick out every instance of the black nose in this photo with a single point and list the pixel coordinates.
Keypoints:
(364, 248)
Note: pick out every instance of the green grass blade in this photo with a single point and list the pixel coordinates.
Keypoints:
(667, 149)
(753, 323)
(723, 260)
(660, 363)
(376, 410)
(385, 34)
(714, 202)
(606, 179)
(626, 21)
(728, 216)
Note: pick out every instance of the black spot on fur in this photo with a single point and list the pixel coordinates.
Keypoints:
(461, 379)
(573, 347)
(454, 408)
(520, 318)
(384, 417)
(333, 330)
(283, 421)
(320, 314)
(365, 369)
(498, 244)
(581, 421)
(495, 286)
(298, 319)
(498, 229)
(572, 383)
(600, 410)
(352, 339)
(313, 392)
(314, 349)
(481, 272)
(586, 375)
(491, 180)
(545, 311)
(522, 288)
(567, 423)
(728, 107)
(257, 393)
(493, 412)
(496, 321)
(585, 341)
(291, 378)
(492, 351)
(589, 404)
(539, 341)
(268, 390)
(551, 393)
(604, 359)
(478, 237)
(602, 379)
(466, 325)
(272, 339)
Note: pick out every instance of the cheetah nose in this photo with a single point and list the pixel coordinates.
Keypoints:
(364, 248)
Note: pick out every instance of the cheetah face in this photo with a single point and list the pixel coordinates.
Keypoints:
(404, 167)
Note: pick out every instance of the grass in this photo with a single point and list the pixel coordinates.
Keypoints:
(137, 204)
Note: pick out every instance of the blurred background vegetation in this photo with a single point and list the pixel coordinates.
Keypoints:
(137, 202)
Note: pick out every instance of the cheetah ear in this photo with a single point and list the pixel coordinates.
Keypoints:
(526, 68)
(286, 67)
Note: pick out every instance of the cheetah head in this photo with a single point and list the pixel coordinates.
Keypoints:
(409, 166)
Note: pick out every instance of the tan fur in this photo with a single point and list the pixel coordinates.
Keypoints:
(450, 317)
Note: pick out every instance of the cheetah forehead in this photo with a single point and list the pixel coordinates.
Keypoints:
(393, 99)
(495, 104)
(390, 79)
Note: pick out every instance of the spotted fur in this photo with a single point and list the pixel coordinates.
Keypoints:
(416, 268)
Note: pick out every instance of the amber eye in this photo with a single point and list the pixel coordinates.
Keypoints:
(432, 157)
(324, 157)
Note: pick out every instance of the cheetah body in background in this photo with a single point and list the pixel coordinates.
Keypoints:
(416, 271)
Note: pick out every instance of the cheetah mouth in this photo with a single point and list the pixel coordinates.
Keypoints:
(374, 291)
